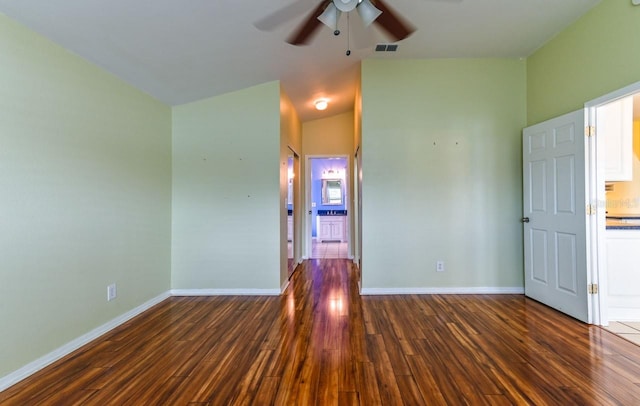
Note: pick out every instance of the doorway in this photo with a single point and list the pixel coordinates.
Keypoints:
(596, 267)
(293, 211)
(328, 231)
(616, 182)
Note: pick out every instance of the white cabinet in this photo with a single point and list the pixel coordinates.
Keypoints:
(289, 228)
(623, 275)
(331, 228)
(615, 124)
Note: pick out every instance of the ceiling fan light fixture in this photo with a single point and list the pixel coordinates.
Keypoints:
(321, 104)
(345, 5)
(368, 12)
(330, 16)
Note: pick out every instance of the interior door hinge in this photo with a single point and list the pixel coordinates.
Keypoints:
(589, 131)
(590, 210)
(593, 289)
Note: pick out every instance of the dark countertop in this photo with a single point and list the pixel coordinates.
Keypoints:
(332, 212)
(623, 222)
(623, 216)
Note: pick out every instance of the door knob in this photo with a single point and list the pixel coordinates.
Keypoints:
(525, 219)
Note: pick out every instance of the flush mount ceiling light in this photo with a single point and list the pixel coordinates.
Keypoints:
(321, 104)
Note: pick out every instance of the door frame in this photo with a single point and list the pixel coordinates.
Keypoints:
(296, 202)
(547, 217)
(308, 227)
(357, 214)
(596, 230)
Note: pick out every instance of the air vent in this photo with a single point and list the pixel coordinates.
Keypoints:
(386, 47)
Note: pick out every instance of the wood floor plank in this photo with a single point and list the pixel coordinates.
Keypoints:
(385, 375)
(425, 381)
(348, 399)
(328, 383)
(410, 392)
(322, 343)
(367, 384)
(266, 393)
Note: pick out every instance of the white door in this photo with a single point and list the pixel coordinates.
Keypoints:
(554, 214)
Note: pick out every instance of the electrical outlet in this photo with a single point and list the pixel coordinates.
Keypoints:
(111, 292)
(439, 266)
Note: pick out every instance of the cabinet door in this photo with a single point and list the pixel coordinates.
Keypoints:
(623, 278)
(615, 124)
(324, 230)
(337, 230)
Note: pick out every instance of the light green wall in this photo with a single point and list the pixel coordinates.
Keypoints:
(226, 191)
(442, 172)
(85, 175)
(598, 54)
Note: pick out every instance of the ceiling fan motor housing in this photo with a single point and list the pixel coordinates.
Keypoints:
(345, 5)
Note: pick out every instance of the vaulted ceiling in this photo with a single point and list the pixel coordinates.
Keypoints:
(184, 50)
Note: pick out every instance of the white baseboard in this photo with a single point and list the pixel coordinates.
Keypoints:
(624, 314)
(444, 291)
(284, 286)
(225, 292)
(42, 362)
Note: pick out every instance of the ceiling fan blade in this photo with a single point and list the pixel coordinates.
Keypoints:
(308, 27)
(392, 23)
(281, 16)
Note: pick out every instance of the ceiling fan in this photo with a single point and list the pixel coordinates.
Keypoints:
(328, 12)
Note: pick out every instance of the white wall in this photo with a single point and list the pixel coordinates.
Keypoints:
(625, 196)
(226, 193)
(85, 181)
(442, 175)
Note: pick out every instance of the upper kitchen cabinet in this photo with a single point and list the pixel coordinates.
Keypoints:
(615, 124)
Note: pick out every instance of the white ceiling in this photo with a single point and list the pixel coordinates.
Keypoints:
(185, 50)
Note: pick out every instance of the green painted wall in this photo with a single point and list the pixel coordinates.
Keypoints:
(596, 55)
(85, 175)
(441, 150)
(226, 191)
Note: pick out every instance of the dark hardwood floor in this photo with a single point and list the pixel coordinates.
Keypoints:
(322, 344)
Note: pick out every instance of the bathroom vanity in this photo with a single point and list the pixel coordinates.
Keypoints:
(331, 225)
